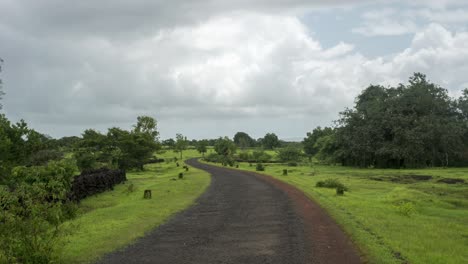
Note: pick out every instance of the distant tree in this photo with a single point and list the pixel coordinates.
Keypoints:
(68, 142)
(270, 141)
(170, 143)
(181, 144)
(243, 140)
(147, 125)
(225, 148)
(289, 154)
(202, 146)
(261, 156)
(312, 137)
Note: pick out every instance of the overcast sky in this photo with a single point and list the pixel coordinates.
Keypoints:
(213, 67)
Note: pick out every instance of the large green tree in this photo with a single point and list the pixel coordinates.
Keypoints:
(243, 140)
(413, 125)
(270, 141)
(202, 146)
(309, 142)
(120, 148)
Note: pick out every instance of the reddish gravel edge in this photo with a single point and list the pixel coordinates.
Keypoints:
(327, 241)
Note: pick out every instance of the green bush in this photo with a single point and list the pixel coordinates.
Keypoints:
(260, 167)
(285, 172)
(331, 183)
(405, 208)
(244, 156)
(33, 208)
(261, 156)
(340, 190)
(85, 159)
(213, 157)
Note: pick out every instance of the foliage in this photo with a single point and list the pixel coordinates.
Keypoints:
(170, 143)
(289, 154)
(270, 141)
(33, 207)
(405, 208)
(310, 142)
(18, 143)
(260, 167)
(202, 146)
(213, 157)
(119, 148)
(181, 144)
(261, 156)
(243, 140)
(225, 147)
(331, 183)
(244, 156)
(414, 125)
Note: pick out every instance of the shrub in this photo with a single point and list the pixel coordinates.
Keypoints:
(213, 157)
(43, 156)
(244, 156)
(260, 167)
(331, 183)
(85, 159)
(340, 190)
(405, 208)
(290, 155)
(261, 156)
(33, 208)
(181, 175)
(285, 172)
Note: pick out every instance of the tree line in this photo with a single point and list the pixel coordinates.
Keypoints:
(408, 126)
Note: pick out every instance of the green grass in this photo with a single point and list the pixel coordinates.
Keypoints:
(113, 219)
(391, 222)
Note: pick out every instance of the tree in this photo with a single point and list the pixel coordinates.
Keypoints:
(270, 141)
(147, 125)
(170, 143)
(243, 140)
(202, 146)
(119, 148)
(289, 154)
(225, 148)
(312, 138)
(34, 206)
(181, 144)
(414, 125)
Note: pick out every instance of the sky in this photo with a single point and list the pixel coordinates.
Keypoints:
(210, 68)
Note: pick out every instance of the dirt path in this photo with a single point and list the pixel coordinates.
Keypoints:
(243, 218)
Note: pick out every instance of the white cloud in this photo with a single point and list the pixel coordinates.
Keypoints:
(385, 22)
(249, 65)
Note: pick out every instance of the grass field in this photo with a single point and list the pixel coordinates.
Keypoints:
(111, 220)
(392, 215)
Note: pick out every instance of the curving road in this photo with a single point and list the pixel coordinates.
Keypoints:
(243, 218)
